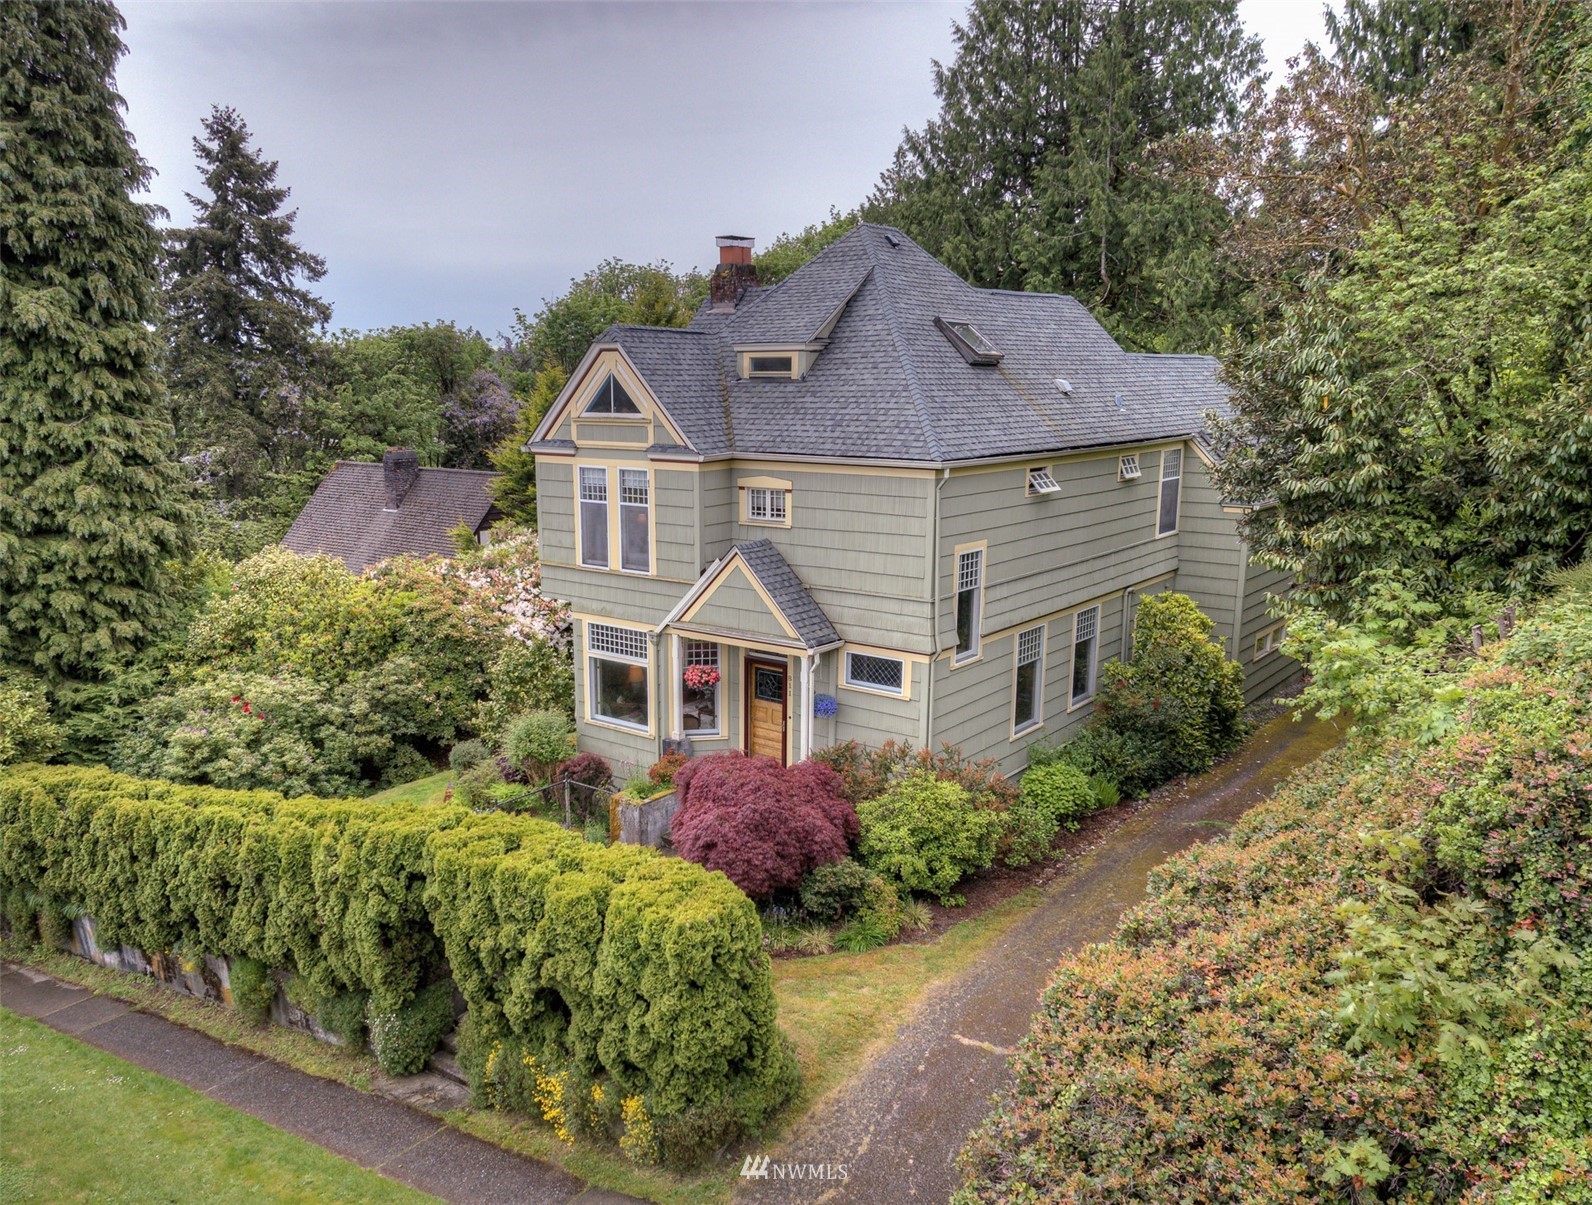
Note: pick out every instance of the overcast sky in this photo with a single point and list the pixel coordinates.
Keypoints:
(455, 159)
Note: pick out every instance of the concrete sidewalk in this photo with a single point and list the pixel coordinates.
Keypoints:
(382, 1135)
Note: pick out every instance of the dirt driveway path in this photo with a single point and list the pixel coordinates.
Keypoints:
(898, 1125)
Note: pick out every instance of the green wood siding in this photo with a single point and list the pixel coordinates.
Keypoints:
(1263, 678)
(1208, 551)
(734, 605)
(1096, 536)
(871, 719)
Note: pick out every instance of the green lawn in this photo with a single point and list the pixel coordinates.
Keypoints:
(421, 790)
(77, 1124)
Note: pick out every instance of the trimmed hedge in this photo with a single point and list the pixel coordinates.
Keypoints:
(647, 970)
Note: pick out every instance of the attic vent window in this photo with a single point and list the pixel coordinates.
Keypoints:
(1128, 467)
(1040, 481)
(769, 366)
(968, 340)
(611, 398)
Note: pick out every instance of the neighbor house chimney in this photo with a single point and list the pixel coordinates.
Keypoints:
(735, 273)
(399, 469)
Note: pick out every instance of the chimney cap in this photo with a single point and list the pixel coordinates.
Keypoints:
(734, 240)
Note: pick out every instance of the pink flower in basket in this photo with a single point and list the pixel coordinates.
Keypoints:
(701, 677)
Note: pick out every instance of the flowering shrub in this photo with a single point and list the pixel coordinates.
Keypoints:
(764, 825)
(1376, 988)
(924, 834)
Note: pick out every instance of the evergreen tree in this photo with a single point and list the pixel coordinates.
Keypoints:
(93, 508)
(1041, 170)
(1394, 47)
(246, 371)
(515, 490)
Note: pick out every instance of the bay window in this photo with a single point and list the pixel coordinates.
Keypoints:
(617, 675)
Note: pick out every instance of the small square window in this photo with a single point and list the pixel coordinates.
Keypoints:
(766, 505)
(1041, 481)
(1128, 467)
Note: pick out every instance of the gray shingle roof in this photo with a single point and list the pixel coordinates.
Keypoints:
(764, 562)
(346, 516)
(889, 385)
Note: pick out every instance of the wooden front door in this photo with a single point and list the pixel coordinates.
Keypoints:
(766, 708)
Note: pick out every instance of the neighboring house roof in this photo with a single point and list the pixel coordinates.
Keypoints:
(890, 385)
(795, 609)
(347, 516)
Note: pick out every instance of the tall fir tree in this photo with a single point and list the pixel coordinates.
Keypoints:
(515, 489)
(247, 372)
(93, 506)
(1041, 170)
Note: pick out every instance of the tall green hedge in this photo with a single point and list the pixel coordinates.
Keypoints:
(646, 970)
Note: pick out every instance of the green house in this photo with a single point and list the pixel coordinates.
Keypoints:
(875, 502)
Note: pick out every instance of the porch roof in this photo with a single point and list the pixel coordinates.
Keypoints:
(723, 599)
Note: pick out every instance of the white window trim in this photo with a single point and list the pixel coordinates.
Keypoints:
(976, 652)
(1038, 722)
(1042, 481)
(718, 730)
(745, 486)
(610, 470)
(1268, 641)
(1073, 704)
(1129, 468)
(1160, 489)
(871, 688)
(650, 663)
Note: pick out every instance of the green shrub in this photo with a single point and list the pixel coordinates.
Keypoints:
(467, 755)
(404, 764)
(253, 989)
(835, 890)
(524, 677)
(923, 834)
(55, 927)
(643, 971)
(342, 1014)
(402, 1039)
(474, 786)
(27, 732)
(538, 741)
(1054, 797)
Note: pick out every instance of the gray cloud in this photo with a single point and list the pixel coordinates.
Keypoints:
(454, 160)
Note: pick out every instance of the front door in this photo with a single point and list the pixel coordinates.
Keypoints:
(766, 708)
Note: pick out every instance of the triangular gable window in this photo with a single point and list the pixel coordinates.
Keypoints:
(611, 398)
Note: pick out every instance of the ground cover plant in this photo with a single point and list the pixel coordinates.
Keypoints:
(609, 967)
(148, 1134)
(1377, 988)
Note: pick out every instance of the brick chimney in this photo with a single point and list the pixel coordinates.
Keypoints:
(735, 273)
(399, 469)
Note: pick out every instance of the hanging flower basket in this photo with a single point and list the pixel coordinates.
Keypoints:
(825, 706)
(701, 677)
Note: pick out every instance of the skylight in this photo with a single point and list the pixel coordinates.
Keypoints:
(968, 340)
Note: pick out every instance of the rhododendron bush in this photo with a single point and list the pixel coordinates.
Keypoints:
(372, 674)
(1379, 988)
(764, 825)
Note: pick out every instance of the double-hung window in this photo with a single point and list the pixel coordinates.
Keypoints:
(1085, 646)
(594, 517)
(1029, 688)
(969, 603)
(635, 530)
(699, 688)
(1171, 488)
(617, 665)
